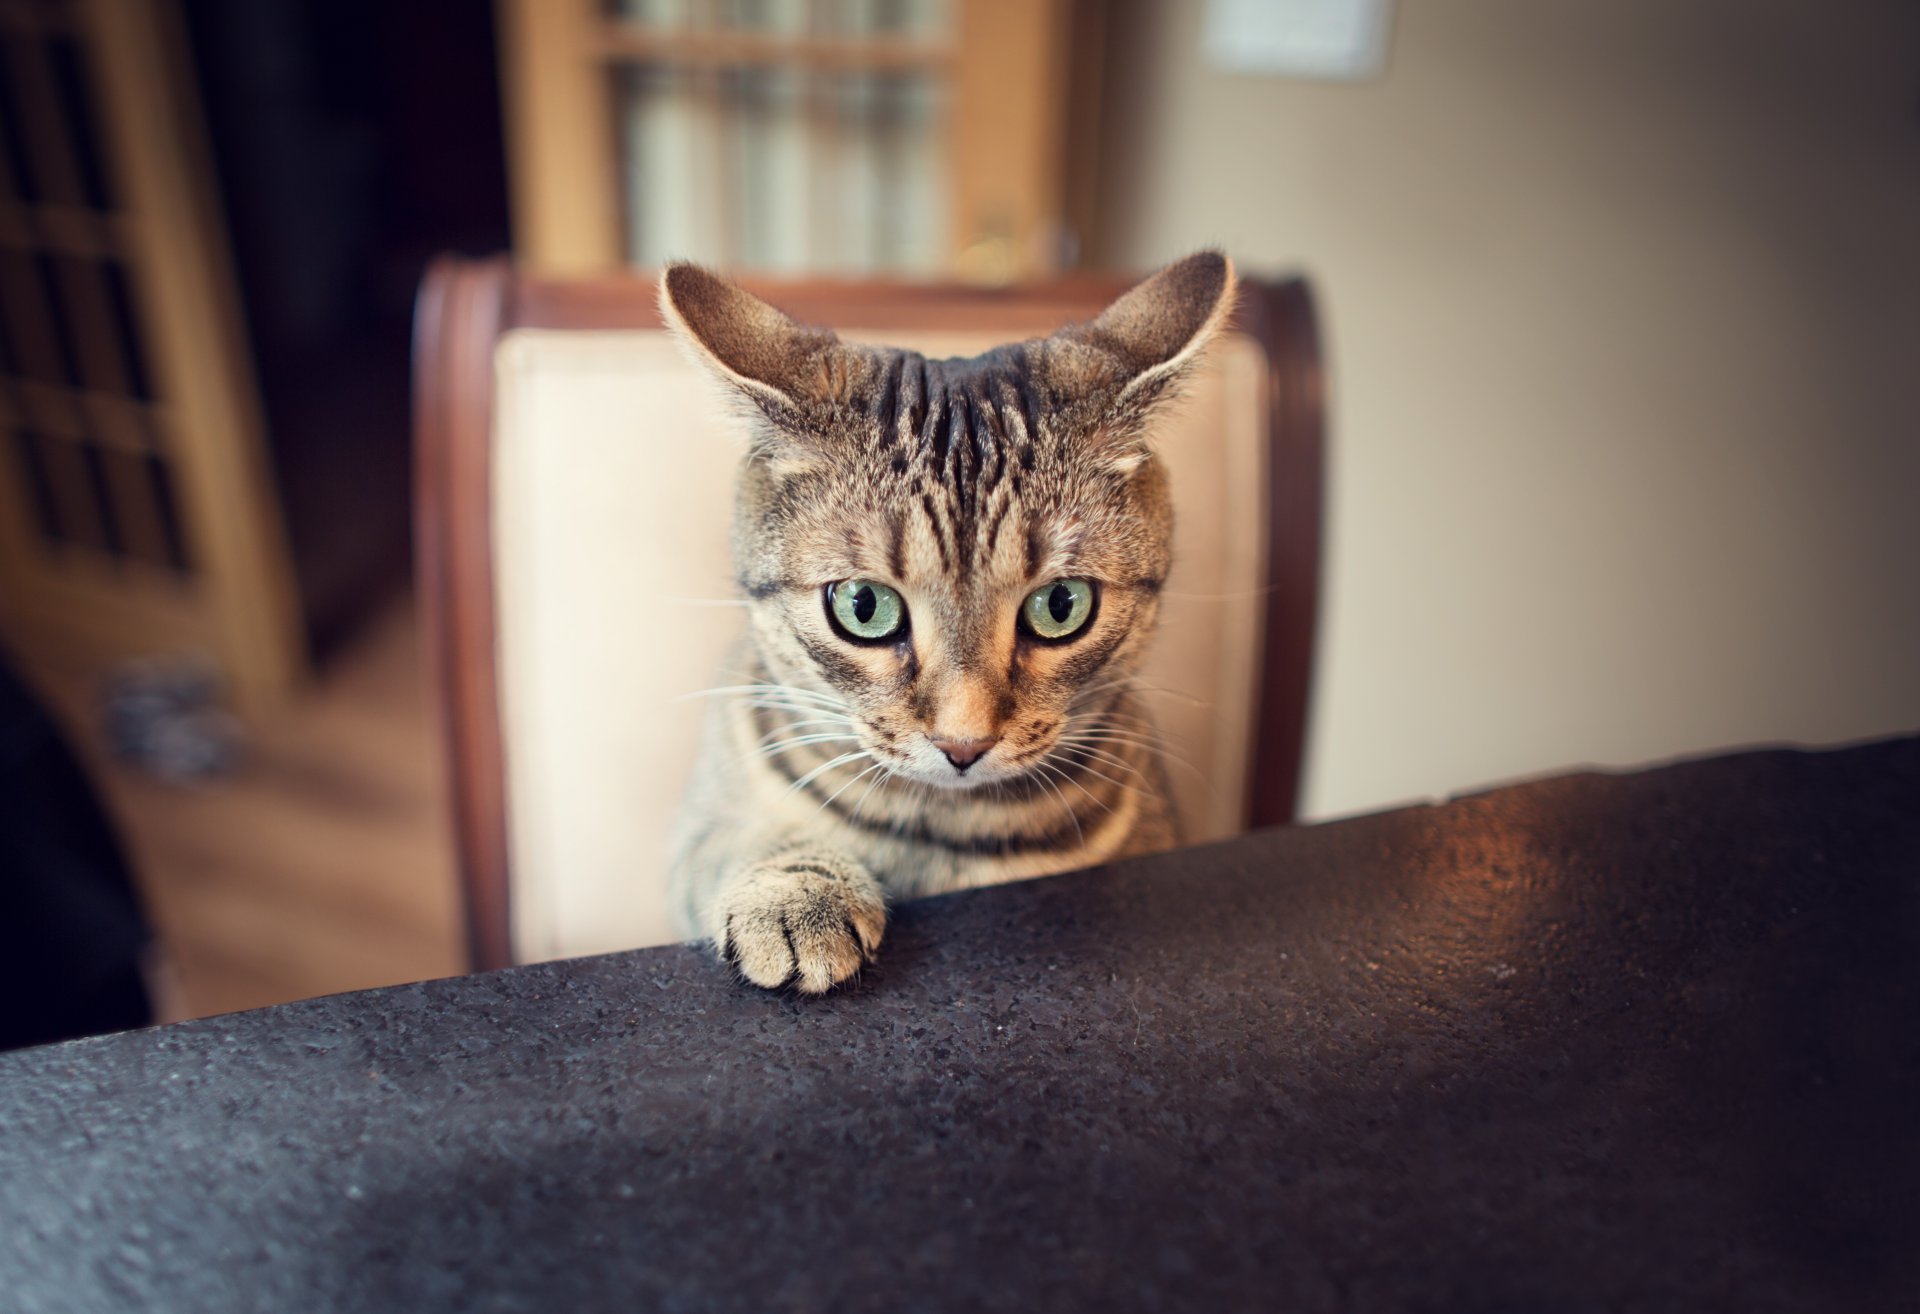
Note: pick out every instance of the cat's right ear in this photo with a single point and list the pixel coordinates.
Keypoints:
(789, 370)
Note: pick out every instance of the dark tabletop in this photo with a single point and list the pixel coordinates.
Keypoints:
(1599, 1042)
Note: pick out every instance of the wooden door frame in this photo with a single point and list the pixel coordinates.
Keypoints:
(237, 601)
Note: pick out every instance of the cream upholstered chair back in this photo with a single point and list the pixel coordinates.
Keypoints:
(575, 490)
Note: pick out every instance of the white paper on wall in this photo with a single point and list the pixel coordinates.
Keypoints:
(1337, 39)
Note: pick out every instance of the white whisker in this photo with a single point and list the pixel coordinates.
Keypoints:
(877, 766)
(1108, 735)
(1072, 816)
(807, 779)
(1159, 692)
(1095, 798)
(795, 725)
(766, 752)
(1238, 595)
(1126, 766)
(777, 692)
(800, 710)
(1101, 775)
(1079, 739)
(886, 773)
(1101, 755)
(921, 790)
(769, 750)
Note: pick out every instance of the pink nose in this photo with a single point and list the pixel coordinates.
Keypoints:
(963, 753)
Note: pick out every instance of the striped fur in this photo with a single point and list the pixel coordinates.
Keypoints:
(964, 485)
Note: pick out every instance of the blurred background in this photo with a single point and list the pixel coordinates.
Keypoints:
(1622, 305)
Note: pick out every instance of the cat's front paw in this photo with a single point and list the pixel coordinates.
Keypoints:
(806, 921)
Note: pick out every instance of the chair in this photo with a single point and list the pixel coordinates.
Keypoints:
(573, 494)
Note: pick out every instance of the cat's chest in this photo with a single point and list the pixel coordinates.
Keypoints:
(933, 854)
(911, 870)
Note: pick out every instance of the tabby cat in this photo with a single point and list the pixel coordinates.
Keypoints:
(952, 569)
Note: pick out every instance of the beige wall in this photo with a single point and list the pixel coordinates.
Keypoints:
(1623, 303)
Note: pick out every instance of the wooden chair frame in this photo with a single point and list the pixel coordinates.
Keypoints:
(465, 306)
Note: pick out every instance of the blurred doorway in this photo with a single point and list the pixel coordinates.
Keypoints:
(353, 140)
(899, 138)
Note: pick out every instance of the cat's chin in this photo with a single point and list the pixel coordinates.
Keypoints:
(950, 781)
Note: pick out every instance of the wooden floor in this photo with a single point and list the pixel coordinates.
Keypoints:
(323, 864)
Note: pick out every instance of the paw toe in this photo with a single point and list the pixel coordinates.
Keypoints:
(826, 955)
(759, 951)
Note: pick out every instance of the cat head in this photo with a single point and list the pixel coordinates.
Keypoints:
(965, 553)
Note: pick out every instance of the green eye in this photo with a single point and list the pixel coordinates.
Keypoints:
(1056, 610)
(865, 611)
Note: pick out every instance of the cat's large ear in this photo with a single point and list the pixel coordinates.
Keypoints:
(1148, 339)
(789, 370)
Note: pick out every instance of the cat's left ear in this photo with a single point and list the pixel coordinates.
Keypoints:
(1149, 339)
(788, 369)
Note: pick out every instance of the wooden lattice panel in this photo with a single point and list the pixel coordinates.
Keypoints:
(135, 512)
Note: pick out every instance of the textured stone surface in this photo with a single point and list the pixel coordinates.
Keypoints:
(1591, 1043)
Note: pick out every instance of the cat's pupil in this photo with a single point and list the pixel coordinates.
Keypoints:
(864, 604)
(1060, 603)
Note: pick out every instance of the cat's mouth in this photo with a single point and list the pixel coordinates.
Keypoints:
(969, 768)
(933, 769)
